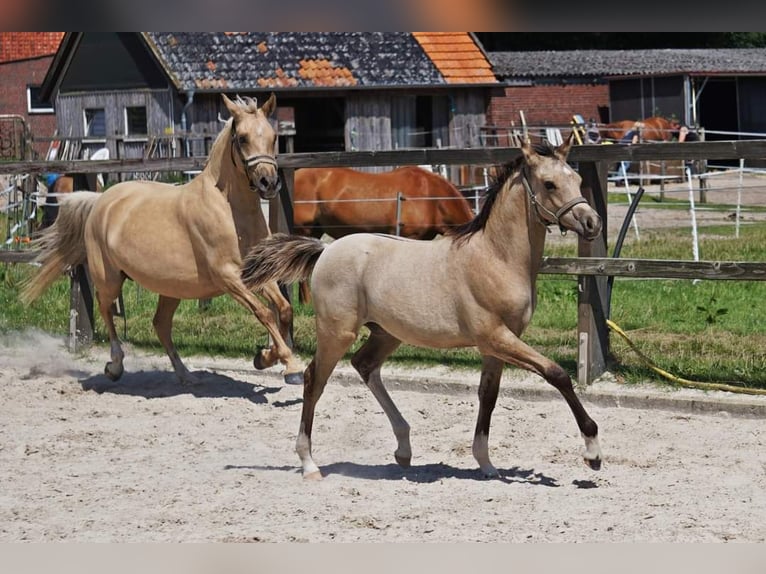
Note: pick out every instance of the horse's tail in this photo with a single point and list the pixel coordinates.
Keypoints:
(62, 245)
(280, 257)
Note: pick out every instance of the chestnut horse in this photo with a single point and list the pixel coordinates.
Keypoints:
(180, 241)
(474, 287)
(651, 129)
(341, 201)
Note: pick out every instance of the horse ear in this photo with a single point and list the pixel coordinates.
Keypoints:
(527, 150)
(231, 106)
(563, 150)
(270, 105)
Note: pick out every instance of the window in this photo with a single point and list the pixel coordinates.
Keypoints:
(34, 105)
(135, 121)
(95, 123)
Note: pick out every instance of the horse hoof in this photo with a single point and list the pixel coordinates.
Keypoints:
(294, 378)
(594, 463)
(112, 372)
(403, 461)
(258, 361)
(313, 476)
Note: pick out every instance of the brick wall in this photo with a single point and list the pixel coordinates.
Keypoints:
(547, 105)
(14, 78)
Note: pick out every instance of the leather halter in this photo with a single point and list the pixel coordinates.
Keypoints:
(558, 214)
(252, 160)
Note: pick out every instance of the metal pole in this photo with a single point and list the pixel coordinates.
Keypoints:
(399, 199)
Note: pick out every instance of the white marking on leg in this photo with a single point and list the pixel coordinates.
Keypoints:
(480, 451)
(592, 448)
(303, 448)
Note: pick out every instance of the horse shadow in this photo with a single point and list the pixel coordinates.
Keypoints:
(164, 384)
(422, 474)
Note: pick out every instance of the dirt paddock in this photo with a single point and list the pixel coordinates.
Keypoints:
(145, 459)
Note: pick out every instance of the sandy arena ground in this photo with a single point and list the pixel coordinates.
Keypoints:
(146, 459)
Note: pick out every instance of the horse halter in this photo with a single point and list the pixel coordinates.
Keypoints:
(252, 160)
(558, 214)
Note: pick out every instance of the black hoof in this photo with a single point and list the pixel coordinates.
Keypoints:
(294, 378)
(112, 373)
(258, 361)
(595, 463)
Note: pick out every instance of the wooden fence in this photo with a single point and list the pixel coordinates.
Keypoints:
(592, 266)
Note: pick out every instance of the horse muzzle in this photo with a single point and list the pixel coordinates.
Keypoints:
(584, 221)
(267, 186)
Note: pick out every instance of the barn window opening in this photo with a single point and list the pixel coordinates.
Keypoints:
(95, 122)
(135, 121)
(34, 104)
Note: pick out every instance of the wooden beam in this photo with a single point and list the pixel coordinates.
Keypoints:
(592, 331)
(656, 268)
(748, 149)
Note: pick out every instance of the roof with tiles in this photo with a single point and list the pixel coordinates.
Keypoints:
(606, 63)
(457, 57)
(25, 45)
(241, 60)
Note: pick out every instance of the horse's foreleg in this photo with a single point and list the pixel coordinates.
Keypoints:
(506, 346)
(293, 368)
(491, 371)
(330, 349)
(163, 326)
(266, 357)
(367, 361)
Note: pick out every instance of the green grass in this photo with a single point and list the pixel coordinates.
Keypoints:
(707, 331)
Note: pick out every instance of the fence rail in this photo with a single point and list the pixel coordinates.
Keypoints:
(592, 267)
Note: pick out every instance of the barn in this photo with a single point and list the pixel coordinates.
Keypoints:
(336, 91)
(721, 90)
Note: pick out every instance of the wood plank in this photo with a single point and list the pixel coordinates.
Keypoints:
(751, 149)
(656, 268)
(17, 256)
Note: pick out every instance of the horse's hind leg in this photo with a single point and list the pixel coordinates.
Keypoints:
(367, 361)
(266, 357)
(491, 371)
(107, 290)
(163, 326)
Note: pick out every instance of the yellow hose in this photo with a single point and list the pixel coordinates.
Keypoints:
(679, 380)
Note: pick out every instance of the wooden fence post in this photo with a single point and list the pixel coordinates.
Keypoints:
(281, 220)
(593, 334)
(80, 309)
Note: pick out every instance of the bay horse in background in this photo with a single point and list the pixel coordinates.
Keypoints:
(473, 287)
(651, 129)
(340, 201)
(62, 184)
(180, 241)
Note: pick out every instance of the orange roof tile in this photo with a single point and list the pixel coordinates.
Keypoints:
(457, 57)
(25, 45)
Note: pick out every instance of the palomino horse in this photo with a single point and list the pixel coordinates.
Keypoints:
(341, 201)
(475, 287)
(182, 242)
(651, 129)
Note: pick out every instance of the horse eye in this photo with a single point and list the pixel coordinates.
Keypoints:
(550, 186)
(242, 140)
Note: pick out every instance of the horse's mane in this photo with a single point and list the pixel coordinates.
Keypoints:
(464, 232)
